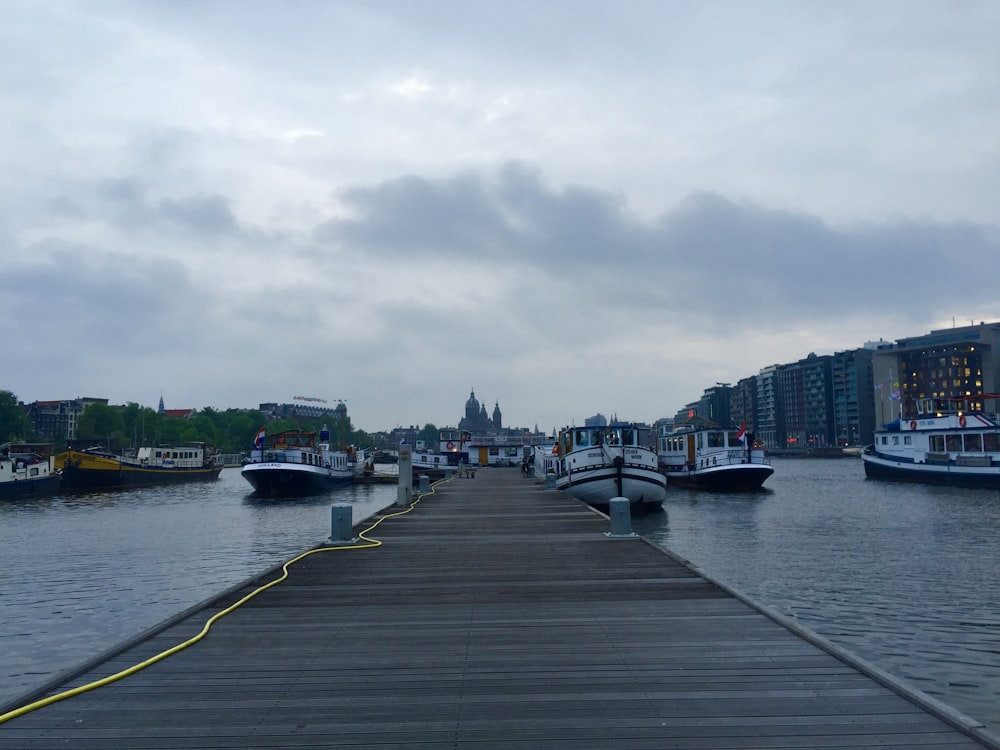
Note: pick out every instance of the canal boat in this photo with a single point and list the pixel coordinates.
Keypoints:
(297, 462)
(544, 461)
(699, 454)
(945, 441)
(27, 470)
(99, 469)
(597, 464)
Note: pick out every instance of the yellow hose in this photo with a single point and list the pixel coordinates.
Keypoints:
(218, 615)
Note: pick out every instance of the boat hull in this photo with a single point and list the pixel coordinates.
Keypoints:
(597, 486)
(82, 471)
(733, 478)
(948, 473)
(103, 479)
(26, 488)
(287, 479)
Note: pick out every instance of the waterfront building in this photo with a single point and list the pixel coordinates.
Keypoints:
(743, 404)
(57, 420)
(961, 362)
(770, 408)
(853, 397)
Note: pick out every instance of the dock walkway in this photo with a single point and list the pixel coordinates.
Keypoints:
(496, 614)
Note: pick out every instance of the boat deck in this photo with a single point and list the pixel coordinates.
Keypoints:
(496, 614)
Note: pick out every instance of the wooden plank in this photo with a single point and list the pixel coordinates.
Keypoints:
(495, 615)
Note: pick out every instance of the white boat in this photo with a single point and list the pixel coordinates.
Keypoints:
(296, 462)
(597, 464)
(947, 441)
(544, 461)
(27, 470)
(701, 455)
(451, 453)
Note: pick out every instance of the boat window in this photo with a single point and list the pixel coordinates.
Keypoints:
(907, 439)
(715, 440)
(991, 442)
(582, 438)
(937, 443)
(733, 440)
(953, 443)
(628, 437)
(700, 439)
(885, 440)
(895, 439)
(974, 443)
(612, 437)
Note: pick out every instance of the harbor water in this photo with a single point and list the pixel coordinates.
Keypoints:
(901, 575)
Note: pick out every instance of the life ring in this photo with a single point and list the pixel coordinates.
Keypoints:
(961, 421)
(913, 424)
(451, 445)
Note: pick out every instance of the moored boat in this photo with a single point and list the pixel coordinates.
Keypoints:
(298, 462)
(699, 454)
(945, 441)
(27, 470)
(97, 469)
(597, 464)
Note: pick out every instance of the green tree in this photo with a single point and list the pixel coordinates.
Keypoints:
(101, 422)
(14, 424)
(431, 436)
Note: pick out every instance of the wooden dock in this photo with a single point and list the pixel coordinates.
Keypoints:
(496, 614)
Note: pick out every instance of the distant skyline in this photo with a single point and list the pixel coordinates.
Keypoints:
(573, 208)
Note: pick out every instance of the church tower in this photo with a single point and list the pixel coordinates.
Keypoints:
(497, 421)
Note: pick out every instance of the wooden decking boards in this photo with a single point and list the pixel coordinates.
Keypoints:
(496, 614)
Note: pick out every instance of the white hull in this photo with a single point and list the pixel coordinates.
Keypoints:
(597, 486)
(600, 463)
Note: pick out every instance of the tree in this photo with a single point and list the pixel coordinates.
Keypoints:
(430, 435)
(101, 422)
(14, 424)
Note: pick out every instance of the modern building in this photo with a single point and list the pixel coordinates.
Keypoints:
(950, 363)
(770, 408)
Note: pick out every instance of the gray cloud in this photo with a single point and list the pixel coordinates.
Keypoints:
(396, 202)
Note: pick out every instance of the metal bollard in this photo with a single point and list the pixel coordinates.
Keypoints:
(425, 484)
(621, 519)
(447, 473)
(550, 480)
(341, 524)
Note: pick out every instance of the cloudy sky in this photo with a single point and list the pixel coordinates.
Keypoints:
(571, 206)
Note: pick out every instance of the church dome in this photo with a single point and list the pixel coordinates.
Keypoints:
(472, 403)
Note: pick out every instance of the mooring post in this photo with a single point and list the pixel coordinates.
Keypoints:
(550, 480)
(405, 489)
(621, 519)
(425, 484)
(341, 524)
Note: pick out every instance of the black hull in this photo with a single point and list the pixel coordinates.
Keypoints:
(945, 475)
(743, 480)
(81, 480)
(26, 488)
(280, 483)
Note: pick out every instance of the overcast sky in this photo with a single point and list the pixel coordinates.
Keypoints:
(572, 207)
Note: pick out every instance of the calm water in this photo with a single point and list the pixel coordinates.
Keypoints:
(901, 575)
(904, 576)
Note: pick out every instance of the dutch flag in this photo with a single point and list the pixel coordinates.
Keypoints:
(258, 442)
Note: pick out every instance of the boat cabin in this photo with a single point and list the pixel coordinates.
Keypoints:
(579, 438)
(191, 456)
(684, 446)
